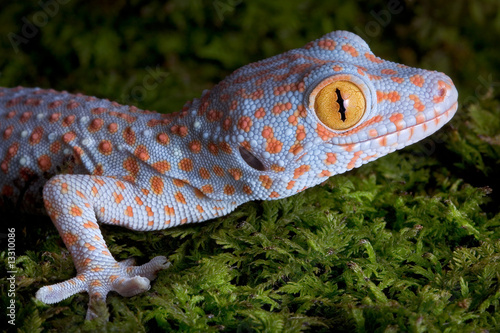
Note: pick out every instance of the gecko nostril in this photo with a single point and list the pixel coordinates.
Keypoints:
(251, 160)
(442, 92)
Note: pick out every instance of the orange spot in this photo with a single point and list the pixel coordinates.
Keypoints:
(245, 123)
(75, 210)
(156, 185)
(129, 211)
(139, 201)
(142, 153)
(181, 131)
(207, 189)
(95, 125)
(36, 135)
(195, 146)
(396, 119)
(213, 149)
(105, 147)
(128, 135)
(274, 146)
(290, 185)
(350, 49)
(113, 128)
(120, 185)
(44, 163)
(300, 134)
(200, 209)
(266, 181)
(417, 104)
(68, 137)
(373, 58)
(354, 159)
(417, 80)
(420, 118)
(161, 166)
(199, 194)
(226, 124)
(179, 198)
(327, 44)
(204, 173)
(218, 171)
(280, 107)
(149, 211)
(186, 164)
(118, 197)
(8, 132)
(301, 170)
(214, 115)
(162, 138)
(169, 211)
(267, 132)
(229, 189)
(54, 117)
(96, 283)
(331, 158)
(260, 113)
(277, 168)
(388, 71)
(25, 117)
(374, 77)
(225, 147)
(392, 96)
(247, 189)
(236, 173)
(90, 225)
(397, 79)
(69, 239)
(178, 182)
(72, 105)
(68, 120)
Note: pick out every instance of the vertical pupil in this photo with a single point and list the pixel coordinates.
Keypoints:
(340, 101)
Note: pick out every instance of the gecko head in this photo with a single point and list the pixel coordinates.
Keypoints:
(300, 117)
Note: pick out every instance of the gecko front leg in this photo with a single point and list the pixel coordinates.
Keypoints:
(74, 202)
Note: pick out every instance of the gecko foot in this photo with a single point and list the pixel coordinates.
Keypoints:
(122, 277)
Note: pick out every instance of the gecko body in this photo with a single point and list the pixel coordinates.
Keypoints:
(267, 131)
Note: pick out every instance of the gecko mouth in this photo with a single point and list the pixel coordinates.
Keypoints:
(411, 134)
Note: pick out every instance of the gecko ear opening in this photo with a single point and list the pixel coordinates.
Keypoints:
(251, 160)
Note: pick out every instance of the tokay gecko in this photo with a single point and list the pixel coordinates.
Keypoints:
(267, 131)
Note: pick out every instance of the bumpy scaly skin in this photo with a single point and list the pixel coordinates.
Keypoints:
(255, 135)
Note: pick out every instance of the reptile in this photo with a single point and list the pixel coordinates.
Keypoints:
(267, 131)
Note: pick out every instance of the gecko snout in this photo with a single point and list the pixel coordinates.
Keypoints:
(445, 93)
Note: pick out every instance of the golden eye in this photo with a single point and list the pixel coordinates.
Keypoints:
(340, 105)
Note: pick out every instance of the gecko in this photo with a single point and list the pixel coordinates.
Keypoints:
(269, 130)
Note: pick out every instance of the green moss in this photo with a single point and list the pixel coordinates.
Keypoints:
(407, 243)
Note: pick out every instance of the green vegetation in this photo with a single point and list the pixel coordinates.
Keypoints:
(408, 243)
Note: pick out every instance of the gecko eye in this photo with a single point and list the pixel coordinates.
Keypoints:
(251, 160)
(340, 105)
